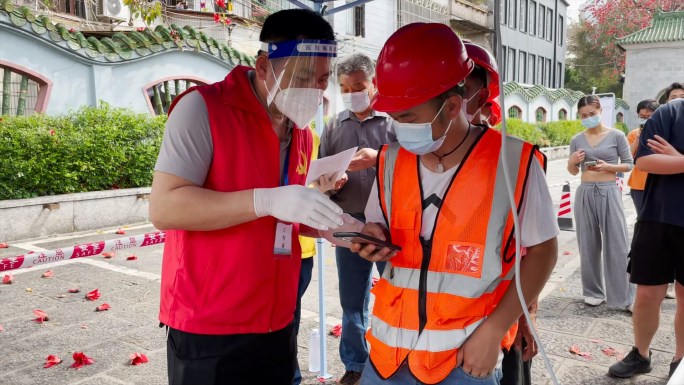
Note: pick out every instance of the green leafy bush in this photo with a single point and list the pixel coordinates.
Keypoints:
(561, 132)
(622, 127)
(526, 131)
(91, 149)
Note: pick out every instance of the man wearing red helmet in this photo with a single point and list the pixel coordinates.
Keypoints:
(482, 89)
(444, 307)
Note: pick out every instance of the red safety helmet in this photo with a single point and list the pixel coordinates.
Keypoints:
(419, 62)
(484, 59)
(495, 117)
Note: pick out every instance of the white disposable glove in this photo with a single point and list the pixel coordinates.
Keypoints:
(298, 204)
(351, 224)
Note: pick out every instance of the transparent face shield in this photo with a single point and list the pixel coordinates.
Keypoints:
(300, 72)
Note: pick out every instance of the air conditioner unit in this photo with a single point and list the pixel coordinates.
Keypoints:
(113, 9)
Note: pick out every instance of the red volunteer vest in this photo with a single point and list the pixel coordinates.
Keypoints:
(229, 281)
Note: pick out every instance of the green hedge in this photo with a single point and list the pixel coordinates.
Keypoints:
(544, 134)
(94, 148)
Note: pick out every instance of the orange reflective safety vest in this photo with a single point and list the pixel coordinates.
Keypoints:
(434, 294)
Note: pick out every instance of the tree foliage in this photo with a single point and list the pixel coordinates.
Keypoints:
(587, 66)
(147, 10)
(607, 20)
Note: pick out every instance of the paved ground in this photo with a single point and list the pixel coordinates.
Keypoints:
(132, 290)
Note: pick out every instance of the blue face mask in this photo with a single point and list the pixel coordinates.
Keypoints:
(417, 137)
(591, 121)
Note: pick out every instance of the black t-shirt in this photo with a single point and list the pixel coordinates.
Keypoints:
(664, 194)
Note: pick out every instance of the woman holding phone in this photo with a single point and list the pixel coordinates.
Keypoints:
(599, 152)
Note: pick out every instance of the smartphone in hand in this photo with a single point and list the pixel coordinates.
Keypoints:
(364, 239)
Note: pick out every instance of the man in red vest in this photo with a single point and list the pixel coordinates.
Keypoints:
(445, 307)
(228, 188)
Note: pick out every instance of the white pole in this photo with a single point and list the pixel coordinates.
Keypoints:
(321, 268)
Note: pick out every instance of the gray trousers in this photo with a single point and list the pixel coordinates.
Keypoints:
(601, 225)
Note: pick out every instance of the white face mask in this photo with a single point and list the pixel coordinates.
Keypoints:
(417, 137)
(356, 101)
(298, 104)
(642, 121)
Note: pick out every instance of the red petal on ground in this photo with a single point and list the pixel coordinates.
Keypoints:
(48, 274)
(132, 258)
(611, 352)
(74, 290)
(80, 359)
(8, 279)
(84, 326)
(119, 231)
(3, 245)
(566, 253)
(596, 341)
(574, 349)
(2, 329)
(108, 254)
(93, 295)
(336, 330)
(51, 361)
(138, 359)
(103, 307)
(41, 316)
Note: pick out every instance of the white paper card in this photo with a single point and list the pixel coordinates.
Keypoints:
(336, 164)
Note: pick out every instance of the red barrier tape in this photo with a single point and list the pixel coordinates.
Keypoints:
(83, 250)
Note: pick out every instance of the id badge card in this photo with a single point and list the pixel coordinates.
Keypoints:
(282, 247)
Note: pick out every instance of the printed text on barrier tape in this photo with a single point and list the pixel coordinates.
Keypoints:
(83, 250)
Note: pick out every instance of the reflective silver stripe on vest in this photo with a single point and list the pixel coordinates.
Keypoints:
(501, 207)
(390, 161)
(448, 283)
(428, 340)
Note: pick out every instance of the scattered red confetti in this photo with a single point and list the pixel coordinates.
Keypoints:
(566, 253)
(336, 330)
(119, 231)
(103, 307)
(108, 254)
(93, 295)
(8, 279)
(74, 290)
(3, 245)
(51, 361)
(574, 349)
(41, 316)
(138, 359)
(321, 380)
(48, 274)
(80, 359)
(611, 352)
(132, 258)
